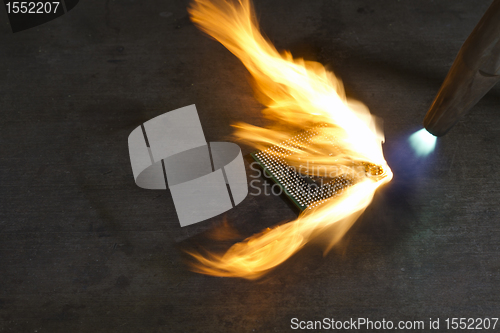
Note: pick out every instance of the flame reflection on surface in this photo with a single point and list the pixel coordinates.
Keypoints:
(297, 94)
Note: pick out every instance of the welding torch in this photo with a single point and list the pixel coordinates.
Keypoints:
(474, 72)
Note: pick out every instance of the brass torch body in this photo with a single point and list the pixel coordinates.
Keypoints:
(474, 72)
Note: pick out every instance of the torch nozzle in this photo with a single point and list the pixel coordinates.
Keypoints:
(475, 71)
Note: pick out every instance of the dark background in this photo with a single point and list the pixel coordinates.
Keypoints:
(83, 249)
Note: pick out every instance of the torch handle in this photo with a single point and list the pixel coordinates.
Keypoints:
(474, 72)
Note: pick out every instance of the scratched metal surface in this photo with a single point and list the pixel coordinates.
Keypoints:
(83, 249)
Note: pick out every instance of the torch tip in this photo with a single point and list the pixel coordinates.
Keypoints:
(423, 142)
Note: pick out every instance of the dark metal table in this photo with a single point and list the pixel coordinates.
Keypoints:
(83, 249)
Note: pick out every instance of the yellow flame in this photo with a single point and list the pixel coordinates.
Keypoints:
(298, 94)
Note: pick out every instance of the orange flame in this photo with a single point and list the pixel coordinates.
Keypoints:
(298, 94)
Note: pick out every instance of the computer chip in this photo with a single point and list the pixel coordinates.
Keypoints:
(306, 191)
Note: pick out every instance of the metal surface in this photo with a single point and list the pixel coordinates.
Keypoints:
(83, 249)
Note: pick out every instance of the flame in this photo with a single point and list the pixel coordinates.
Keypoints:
(298, 94)
(422, 142)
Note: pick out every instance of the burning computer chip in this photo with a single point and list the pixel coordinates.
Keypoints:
(304, 188)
